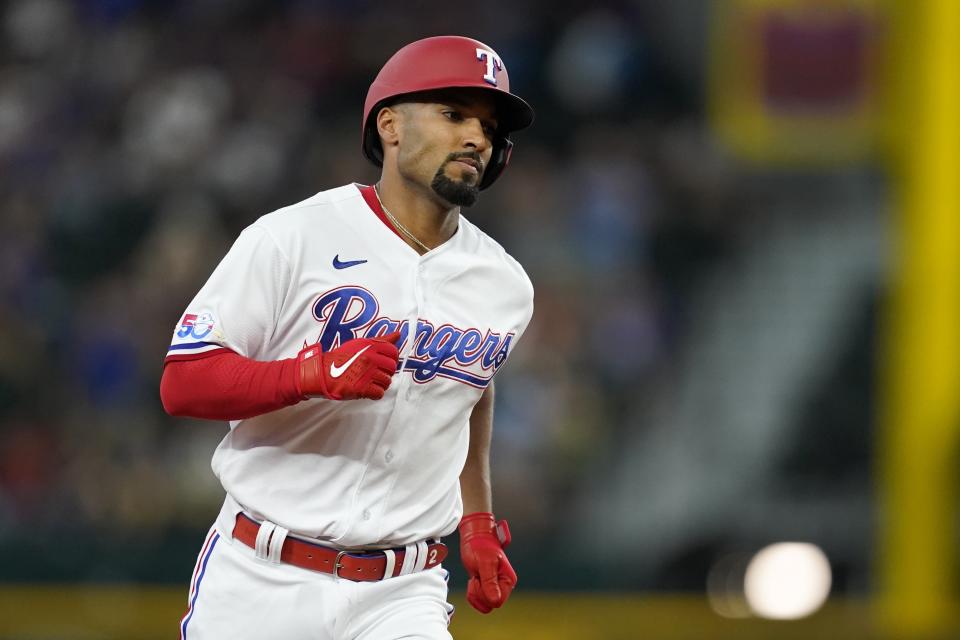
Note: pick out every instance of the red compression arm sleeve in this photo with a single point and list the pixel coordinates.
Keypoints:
(227, 386)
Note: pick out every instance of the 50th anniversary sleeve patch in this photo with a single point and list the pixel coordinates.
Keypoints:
(194, 334)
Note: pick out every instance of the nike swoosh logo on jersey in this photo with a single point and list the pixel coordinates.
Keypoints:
(336, 372)
(337, 264)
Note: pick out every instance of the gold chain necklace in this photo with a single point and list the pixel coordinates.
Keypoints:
(396, 223)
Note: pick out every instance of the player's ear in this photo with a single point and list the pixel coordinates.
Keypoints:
(389, 125)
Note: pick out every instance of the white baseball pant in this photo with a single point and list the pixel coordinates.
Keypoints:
(234, 594)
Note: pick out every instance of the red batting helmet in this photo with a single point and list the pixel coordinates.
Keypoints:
(446, 62)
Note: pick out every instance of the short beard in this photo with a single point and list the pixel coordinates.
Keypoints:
(456, 192)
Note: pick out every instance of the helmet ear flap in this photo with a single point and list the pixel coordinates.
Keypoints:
(371, 145)
(502, 148)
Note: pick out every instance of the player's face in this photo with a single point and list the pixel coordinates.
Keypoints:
(448, 142)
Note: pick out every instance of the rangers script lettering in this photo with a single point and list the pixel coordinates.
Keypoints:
(348, 313)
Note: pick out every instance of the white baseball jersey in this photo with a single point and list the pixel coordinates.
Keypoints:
(360, 472)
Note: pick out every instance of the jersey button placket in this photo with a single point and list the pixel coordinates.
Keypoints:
(418, 294)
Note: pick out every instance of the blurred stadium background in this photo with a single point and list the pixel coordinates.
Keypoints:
(741, 218)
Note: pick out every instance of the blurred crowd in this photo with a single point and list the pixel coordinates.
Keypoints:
(138, 138)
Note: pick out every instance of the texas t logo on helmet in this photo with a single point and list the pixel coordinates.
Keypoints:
(494, 64)
(447, 62)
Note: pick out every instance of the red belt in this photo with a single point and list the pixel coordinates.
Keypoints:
(360, 567)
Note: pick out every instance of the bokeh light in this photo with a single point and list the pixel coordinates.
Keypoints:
(787, 581)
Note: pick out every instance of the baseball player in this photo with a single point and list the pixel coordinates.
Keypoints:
(351, 341)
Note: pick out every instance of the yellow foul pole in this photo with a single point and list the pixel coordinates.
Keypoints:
(920, 390)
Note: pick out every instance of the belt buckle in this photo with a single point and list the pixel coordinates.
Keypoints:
(337, 565)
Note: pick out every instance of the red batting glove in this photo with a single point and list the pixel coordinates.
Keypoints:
(482, 541)
(360, 368)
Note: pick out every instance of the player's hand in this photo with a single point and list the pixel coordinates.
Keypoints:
(360, 368)
(482, 541)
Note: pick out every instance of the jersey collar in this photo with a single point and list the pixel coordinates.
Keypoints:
(370, 196)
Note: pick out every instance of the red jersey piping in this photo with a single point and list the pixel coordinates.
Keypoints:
(369, 194)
